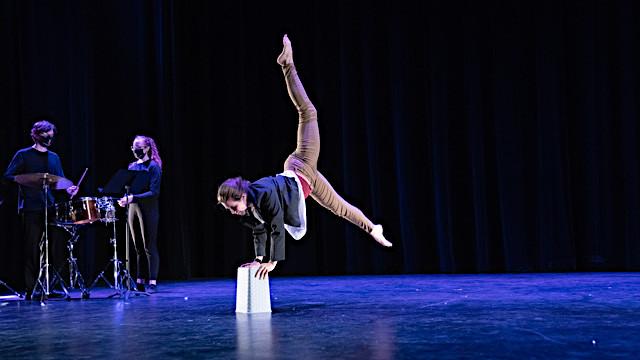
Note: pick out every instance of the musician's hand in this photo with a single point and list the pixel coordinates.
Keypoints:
(265, 268)
(72, 190)
(125, 200)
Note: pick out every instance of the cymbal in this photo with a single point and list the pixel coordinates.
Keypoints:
(35, 180)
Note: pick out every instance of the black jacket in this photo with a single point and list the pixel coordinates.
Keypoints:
(273, 201)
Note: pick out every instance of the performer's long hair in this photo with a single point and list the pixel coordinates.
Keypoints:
(148, 141)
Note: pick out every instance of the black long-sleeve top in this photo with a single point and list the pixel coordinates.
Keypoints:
(27, 161)
(273, 202)
(150, 191)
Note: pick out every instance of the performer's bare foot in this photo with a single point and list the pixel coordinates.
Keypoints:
(286, 57)
(376, 232)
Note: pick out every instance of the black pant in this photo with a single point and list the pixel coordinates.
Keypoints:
(145, 238)
(33, 233)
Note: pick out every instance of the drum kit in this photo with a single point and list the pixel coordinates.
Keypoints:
(70, 216)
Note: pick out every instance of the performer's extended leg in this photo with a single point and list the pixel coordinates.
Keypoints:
(308, 140)
(304, 159)
(326, 196)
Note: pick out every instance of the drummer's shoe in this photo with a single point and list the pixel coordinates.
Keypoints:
(28, 296)
(152, 288)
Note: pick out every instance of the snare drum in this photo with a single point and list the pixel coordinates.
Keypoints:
(81, 211)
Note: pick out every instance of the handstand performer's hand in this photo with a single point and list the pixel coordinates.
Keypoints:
(251, 264)
(255, 262)
(265, 268)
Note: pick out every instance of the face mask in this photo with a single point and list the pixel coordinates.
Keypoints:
(45, 141)
(139, 153)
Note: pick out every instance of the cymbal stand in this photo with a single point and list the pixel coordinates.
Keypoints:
(55, 280)
(44, 268)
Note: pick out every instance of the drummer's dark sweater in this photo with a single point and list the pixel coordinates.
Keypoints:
(27, 161)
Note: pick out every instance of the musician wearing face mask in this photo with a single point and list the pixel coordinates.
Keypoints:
(144, 207)
(31, 202)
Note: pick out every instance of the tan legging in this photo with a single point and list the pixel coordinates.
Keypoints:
(304, 159)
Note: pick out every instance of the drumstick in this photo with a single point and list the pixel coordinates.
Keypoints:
(81, 178)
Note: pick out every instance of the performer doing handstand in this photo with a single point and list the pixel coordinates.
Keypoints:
(272, 203)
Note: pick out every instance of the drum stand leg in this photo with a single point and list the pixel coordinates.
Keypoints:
(42, 285)
(4, 284)
(123, 284)
(44, 282)
(75, 277)
(49, 269)
(57, 279)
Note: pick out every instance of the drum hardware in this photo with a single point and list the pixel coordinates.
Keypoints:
(107, 209)
(5, 285)
(45, 180)
(123, 284)
(54, 280)
(120, 181)
(75, 277)
(70, 215)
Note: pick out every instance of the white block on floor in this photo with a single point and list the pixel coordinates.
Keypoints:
(252, 294)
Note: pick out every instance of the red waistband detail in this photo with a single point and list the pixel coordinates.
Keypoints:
(306, 189)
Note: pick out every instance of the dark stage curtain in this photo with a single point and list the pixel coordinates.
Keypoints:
(486, 136)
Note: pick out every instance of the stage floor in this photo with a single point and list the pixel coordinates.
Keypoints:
(583, 315)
